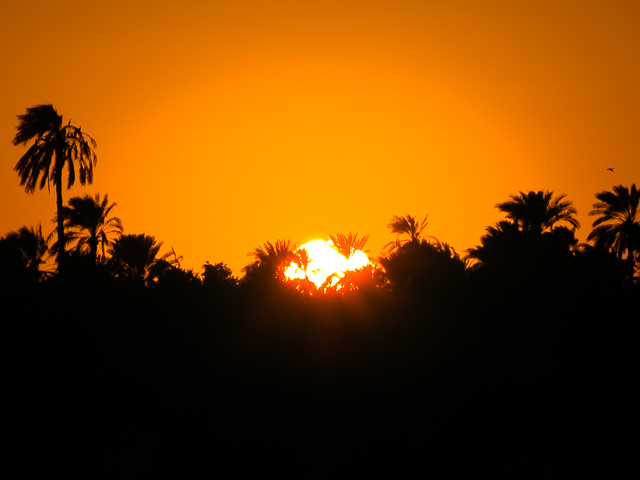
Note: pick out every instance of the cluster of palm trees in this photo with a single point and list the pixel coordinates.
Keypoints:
(537, 223)
(543, 225)
(92, 238)
(85, 224)
(414, 260)
(539, 231)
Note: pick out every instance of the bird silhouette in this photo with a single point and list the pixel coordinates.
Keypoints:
(610, 169)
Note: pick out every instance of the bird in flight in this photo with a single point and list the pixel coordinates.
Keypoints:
(610, 169)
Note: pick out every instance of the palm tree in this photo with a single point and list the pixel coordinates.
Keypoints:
(506, 246)
(432, 265)
(29, 247)
(407, 230)
(617, 227)
(54, 147)
(218, 276)
(274, 252)
(272, 259)
(347, 245)
(538, 212)
(134, 256)
(503, 241)
(365, 278)
(87, 221)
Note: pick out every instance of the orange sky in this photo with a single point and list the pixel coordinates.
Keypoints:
(223, 125)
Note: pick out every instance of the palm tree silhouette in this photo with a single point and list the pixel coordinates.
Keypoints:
(272, 258)
(617, 227)
(32, 247)
(134, 256)
(431, 264)
(347, 245)
(302, 260)
(54, 147)
(365, 278)
(538, 212)
(507, 248)
(407, 230)
(218, 276)
(87, 221)
(502, 241)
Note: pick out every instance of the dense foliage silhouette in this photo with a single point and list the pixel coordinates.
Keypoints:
(23, 255)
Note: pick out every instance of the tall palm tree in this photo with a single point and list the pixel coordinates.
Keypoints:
(347, 245)
(87, 221)
(134, 256)
(54, 146)
(617, 227)
(538, 212)
(407, 230)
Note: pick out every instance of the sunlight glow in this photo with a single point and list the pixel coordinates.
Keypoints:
(325, 261)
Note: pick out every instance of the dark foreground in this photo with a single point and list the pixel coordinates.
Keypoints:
(145, 381)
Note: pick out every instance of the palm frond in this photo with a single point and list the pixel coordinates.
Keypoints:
(538, 211)
(38, 120)
(407, 229)
(347, 245)
(617, 227)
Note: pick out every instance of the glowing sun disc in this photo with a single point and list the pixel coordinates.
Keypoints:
(325, 261)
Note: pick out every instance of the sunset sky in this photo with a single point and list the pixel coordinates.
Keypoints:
(225, 124)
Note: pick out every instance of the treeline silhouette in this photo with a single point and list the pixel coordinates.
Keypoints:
(522, 354)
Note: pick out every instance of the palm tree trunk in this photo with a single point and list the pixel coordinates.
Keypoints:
(61, 236)
(93, 247)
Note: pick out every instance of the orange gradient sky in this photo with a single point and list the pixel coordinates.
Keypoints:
(223, 125)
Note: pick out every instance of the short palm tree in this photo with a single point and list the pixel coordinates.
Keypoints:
(538, 212)
(87, 221)
(273, 258)
(617, 227)
(31, 247)
(274, 252)
(134, 256)
(501, 241)
(427, 263)
(407, 230)
(54, 146)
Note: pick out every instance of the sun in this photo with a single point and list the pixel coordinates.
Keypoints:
(324, 262)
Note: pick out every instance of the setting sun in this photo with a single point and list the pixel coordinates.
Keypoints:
(324, 261)
(298, 234)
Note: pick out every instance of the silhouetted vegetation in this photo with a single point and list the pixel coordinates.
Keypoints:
(87, 223)
(532, 347)
(617, 228)
(54, 147)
